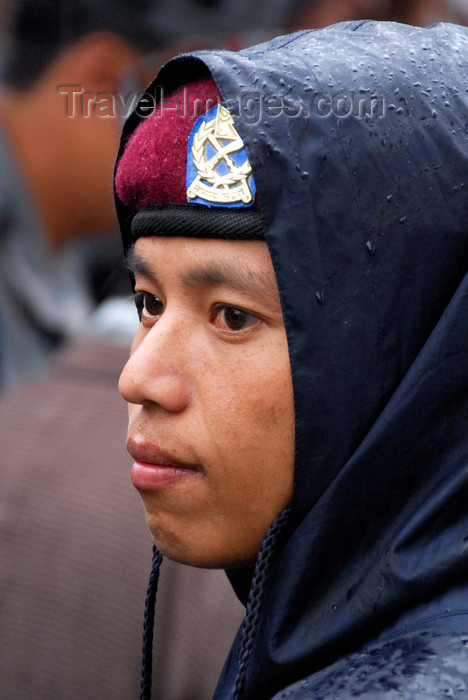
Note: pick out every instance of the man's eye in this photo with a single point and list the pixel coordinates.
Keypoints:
(148, 305)
(233, 318)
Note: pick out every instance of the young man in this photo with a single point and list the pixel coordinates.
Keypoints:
(298, 385)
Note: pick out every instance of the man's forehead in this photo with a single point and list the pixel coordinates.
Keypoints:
(240, 265)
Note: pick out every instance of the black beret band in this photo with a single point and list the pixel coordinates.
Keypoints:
(199, 221)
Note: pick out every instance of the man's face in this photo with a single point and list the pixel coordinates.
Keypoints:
(211, 403)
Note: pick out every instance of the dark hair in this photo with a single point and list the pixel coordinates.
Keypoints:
(42, 29)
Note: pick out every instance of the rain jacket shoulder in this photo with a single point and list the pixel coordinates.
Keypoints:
(358, 139)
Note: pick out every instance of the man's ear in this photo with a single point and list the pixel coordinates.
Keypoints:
(96, 62)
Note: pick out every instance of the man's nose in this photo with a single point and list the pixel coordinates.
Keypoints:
(157, 370)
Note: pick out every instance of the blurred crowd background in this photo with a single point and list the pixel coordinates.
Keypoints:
(74, 548)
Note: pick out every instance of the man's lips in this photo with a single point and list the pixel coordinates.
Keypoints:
(154, 469)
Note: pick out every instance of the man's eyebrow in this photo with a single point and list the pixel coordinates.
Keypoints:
(236, 276)
(137, 266)
(240, 278)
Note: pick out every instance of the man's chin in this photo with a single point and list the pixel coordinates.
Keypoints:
(191, 556)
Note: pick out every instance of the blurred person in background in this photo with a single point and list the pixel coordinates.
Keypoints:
(55, 167)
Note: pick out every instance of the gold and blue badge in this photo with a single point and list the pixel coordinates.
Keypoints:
(218, 169)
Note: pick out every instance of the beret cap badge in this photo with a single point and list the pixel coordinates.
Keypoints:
(218, 169)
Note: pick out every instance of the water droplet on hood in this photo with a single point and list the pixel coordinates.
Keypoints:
(320, 296)
(370, 245)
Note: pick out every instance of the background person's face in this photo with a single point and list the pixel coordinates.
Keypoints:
(211, 402)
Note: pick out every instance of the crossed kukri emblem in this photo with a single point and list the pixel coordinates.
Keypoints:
(211, 185)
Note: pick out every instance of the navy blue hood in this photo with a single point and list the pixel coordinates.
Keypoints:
(360, 160)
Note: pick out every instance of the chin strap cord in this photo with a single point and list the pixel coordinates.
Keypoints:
(148, 624)
(254, 602)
